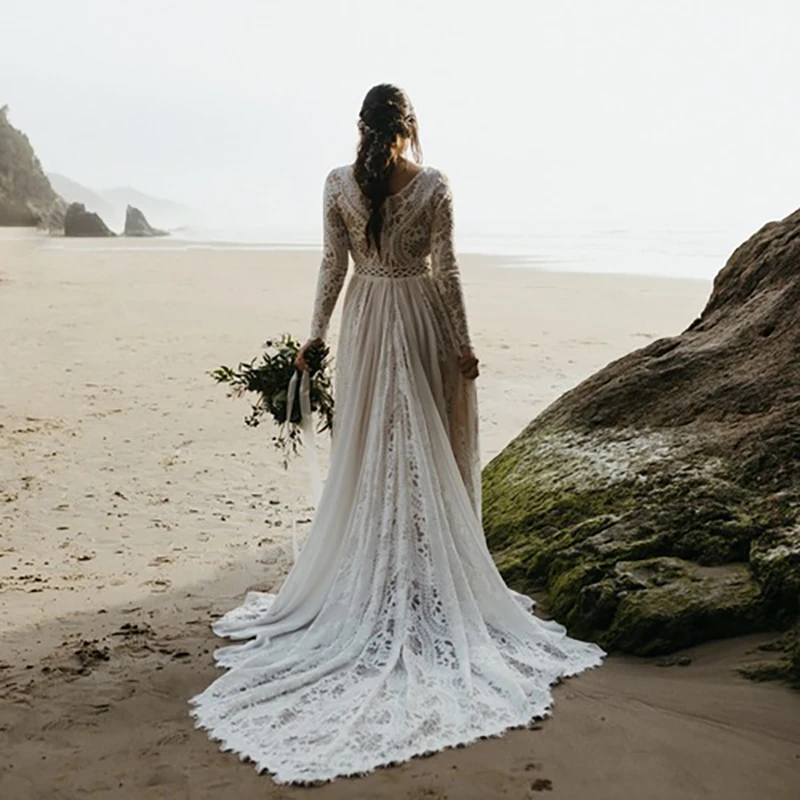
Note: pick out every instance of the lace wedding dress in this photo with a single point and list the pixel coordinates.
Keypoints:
(394, 634)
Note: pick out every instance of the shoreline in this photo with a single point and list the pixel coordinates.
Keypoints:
(585, 260)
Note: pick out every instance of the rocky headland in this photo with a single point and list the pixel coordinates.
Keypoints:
(26, 197)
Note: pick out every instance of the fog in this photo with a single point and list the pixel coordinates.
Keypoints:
(546, 116)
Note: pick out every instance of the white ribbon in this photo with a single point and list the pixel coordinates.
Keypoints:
(307, 428)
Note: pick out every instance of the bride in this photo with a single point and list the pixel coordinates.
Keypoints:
(394, 634)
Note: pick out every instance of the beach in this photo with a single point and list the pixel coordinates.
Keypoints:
(136, 506)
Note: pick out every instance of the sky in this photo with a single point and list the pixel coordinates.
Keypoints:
(545, 116)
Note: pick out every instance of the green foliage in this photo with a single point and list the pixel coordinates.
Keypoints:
(268, 378)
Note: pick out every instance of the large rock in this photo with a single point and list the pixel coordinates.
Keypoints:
(80, 222)
(137, 225)
(659, 501)
(26, 196)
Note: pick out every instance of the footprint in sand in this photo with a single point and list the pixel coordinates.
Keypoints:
(174, 737)
(158, 584)
(58, 724)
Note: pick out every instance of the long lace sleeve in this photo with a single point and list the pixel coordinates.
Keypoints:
(333, 269)
(444, 265)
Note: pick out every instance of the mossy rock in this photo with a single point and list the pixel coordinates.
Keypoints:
(680, 604)
(775, 560)
(658, 502)
(787, 665)
(644, 543)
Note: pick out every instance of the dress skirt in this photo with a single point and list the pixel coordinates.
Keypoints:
(394, 634)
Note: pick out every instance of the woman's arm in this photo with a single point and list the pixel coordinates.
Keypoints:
(444, 264)
(333, 269)
(444, 267)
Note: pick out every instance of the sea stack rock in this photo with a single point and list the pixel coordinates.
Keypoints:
(658, 502)
(137, 225)
(80, 222)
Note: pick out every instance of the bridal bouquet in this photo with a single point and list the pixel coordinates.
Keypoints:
(282, 392)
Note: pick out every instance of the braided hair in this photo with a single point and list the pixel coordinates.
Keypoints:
(385, 115)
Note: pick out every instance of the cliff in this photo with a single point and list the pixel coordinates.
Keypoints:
(26, 196)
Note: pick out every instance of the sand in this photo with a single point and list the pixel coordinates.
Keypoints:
(135, 506)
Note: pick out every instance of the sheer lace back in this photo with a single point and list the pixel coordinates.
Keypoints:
(417, 239)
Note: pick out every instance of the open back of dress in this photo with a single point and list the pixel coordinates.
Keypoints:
(394, 634)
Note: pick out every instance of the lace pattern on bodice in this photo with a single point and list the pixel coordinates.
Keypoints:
(417, 240)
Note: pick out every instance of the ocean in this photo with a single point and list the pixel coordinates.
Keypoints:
(675, 253)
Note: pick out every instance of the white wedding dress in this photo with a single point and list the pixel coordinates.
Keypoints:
(394, 634)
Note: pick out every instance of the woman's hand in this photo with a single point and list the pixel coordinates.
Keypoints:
(300, 359)
(468, 363)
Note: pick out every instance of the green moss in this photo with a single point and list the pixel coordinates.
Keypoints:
(775, 559)
(584, 598)
(531, 495)
(642, 545)
(514, 564)
(680, 604)
(786, 668)
(769, 671)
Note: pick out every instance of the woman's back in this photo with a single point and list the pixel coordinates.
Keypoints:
(416, 240)
(409, 221)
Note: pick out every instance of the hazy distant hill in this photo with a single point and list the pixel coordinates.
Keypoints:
(26, 196)
(73, 192)
(160, 212)
(111, 204)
